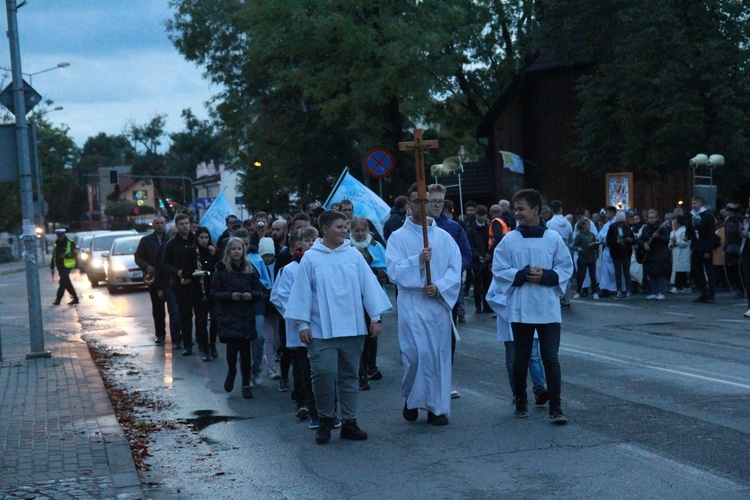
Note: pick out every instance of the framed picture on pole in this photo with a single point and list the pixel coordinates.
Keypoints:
(620, 190)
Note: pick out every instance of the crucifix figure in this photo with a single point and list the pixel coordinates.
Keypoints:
(418, 145)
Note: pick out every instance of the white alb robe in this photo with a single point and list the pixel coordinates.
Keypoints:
(607, 270)
(329, 290)
(531, 302)
(424, 323)
(282, 287)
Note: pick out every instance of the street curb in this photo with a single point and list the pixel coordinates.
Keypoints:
(122, 468)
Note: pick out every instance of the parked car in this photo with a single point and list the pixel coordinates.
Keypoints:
(119, 264)
(100, 243)
(83, 244)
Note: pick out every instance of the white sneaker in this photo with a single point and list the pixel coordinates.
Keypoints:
(455, 394)
(273, 373)
(650, 297)
(747, 314)
(578, 296)
(257, 380)
(674, 290)
(596, 296)
(660, 296)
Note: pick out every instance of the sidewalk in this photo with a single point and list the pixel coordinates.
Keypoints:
(59, 434)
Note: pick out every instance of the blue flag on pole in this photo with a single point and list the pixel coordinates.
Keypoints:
(512, 162)
(366, 203)
(215, 217)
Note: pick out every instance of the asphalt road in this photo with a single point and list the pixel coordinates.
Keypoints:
(657, 393)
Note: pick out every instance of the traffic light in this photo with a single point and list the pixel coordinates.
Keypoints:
(114, 177)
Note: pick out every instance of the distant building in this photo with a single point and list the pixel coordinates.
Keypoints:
(209, 182)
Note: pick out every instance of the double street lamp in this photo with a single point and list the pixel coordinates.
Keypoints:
(31, 75)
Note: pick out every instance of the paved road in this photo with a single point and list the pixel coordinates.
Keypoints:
(658, 394)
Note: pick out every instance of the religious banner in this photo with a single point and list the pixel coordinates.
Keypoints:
(620, 190)
(512, 162)
(215, 217)
(366, 203)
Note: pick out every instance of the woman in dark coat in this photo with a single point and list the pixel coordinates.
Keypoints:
(201, 267)
(655, 240)
(235, 289)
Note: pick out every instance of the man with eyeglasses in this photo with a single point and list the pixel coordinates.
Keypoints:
(424, 321)
(435, 209)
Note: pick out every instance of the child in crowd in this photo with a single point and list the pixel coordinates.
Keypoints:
(267, 253)
(587, 246)
(235, 289)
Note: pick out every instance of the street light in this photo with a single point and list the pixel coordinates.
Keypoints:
(31, 75)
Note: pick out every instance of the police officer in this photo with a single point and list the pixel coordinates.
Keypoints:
(64, 257)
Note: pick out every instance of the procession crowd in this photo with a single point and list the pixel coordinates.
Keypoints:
(302, 297)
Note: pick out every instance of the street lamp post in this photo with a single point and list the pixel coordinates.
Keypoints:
(31, 75)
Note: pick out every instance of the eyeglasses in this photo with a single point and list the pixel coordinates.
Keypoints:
(437, 203)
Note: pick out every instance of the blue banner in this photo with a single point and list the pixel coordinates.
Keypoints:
(366, 203)
(215, 217)
(512, 162)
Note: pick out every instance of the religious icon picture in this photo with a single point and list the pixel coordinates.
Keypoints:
(620, 190)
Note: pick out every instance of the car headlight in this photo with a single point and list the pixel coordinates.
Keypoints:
(119, 267)
(96, 263)
(84, 256)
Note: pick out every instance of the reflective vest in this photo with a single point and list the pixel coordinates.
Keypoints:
(503, 224)
(69, 258)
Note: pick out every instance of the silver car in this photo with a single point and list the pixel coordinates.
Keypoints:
(119, 264)
(101, 243)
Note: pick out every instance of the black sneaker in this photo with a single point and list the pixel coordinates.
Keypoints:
(520, 407)
(229, 381)
(73, 302)
(177, 345)
(159, 340)
(205, 354)
(350, 430)
(247, 392)
(556, 416)
(56, 303)
(541, 398)
(214, 352)
(323, 434)
(364, 384)
(374, 374)
(302, 413)
(436, 419)
(410, 414)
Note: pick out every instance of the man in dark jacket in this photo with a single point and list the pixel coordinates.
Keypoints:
(175, 263)
(145, 258)
(701, 232)
(64, 258)
(480, 262)
(398, 216)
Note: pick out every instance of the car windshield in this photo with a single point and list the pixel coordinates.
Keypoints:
(103, 243)
(85, 241)
(125, 246)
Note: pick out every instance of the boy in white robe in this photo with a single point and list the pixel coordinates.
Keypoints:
(531, 266)
(332, 284)
(424, 319)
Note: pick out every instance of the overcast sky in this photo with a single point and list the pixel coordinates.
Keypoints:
(123, 66)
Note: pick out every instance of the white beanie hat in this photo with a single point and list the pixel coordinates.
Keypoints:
(265, 247)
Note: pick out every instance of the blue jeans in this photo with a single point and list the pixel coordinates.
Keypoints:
(257, 346)
(658, 284)
(549, 344)
(535, 365)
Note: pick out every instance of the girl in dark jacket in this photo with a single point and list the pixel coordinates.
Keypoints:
(655, 239)
(201, 266)
(235, 288)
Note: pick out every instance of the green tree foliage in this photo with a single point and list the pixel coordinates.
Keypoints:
(669, 81)
(309, 87)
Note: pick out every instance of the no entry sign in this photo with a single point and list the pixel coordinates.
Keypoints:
(379, 163)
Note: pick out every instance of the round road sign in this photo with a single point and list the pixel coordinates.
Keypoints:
(379, 163)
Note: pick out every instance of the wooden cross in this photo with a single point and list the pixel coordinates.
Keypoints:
(418, 146)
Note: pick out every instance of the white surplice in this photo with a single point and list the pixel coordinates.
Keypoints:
(424, 323)
(531, 302)
(329, 290)
(282, 288)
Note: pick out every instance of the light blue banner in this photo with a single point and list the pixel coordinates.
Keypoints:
(366, 203)
(215, 217)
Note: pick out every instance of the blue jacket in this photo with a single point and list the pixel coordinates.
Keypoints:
(459, 236)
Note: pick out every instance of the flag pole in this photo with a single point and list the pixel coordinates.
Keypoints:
(336, 186)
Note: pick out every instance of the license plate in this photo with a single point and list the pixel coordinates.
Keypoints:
(137, 274)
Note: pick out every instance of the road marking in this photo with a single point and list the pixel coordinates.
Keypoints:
(679, 314)
(704, 477)
(641, 364)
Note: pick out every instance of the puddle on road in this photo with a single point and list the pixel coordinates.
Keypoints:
(204, 418)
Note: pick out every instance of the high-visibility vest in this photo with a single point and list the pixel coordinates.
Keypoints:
(503, 224)
(69, 258)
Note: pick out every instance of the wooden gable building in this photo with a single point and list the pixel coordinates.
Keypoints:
(534, 118)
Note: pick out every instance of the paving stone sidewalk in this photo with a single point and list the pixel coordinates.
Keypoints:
(59, 434)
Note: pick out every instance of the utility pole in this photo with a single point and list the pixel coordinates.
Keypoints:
(36, 328)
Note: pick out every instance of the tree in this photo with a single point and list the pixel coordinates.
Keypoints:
(309, 87)
(199, 142)
(669, 81)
